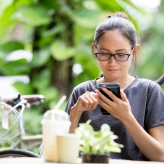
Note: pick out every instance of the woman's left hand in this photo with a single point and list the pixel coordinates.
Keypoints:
(119, 108)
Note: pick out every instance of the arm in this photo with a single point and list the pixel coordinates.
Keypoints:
(87, 101)
(150, 144)
(74, 118)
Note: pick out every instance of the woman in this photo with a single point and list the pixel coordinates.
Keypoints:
(138, 117)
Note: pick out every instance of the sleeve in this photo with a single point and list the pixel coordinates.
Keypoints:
(71, 101)
(155, 106)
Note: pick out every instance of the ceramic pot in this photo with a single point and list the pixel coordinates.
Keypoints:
(95, 158)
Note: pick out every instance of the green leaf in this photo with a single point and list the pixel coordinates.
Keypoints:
(23, 88)
(15, 67)
(10, 46)
(60, 51)
(4, 4)
(84, 16)
(110, 6)
(40, 57)
(55, 30)
(33, 15)
(51, 4)
(42, 80)
(49, 92)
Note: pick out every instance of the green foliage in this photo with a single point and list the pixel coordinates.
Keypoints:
(35, 15)
(60, 51)
(99, 142)
(54, 31)
(16, 67)
(24, 88)
(40, 57)
(151, 56)
(32, 121)
(10, 46)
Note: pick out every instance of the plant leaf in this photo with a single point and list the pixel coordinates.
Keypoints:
(33, 15)
(60, 51)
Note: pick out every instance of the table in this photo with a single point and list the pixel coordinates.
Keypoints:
(29, 160)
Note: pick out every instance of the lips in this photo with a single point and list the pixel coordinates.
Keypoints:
(112, 70)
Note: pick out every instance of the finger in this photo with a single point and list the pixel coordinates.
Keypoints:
(123, 96)
(94, 105)
(110, 94)
(103, 101)
(101, 96)
(83, 99)
(106, 106)
(91, 97)
(82, 103)
(92, 100)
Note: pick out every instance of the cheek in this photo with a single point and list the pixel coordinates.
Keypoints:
(102, 64)
(122, 65)
(128, 64)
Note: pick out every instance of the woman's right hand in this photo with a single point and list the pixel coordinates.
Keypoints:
(87, 101)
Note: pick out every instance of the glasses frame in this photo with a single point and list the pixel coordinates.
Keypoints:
(114, 55)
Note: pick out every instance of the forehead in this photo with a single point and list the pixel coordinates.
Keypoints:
(113, 40)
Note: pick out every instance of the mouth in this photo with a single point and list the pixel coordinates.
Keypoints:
(112, 70)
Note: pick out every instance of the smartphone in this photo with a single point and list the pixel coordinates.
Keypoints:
(114, 87)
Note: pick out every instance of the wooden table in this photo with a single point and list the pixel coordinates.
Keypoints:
(29, 160)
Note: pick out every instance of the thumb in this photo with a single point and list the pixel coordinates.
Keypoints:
(123, 96)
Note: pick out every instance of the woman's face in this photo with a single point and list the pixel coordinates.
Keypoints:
(113, 42)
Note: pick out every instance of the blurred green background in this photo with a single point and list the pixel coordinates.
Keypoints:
(56, 36)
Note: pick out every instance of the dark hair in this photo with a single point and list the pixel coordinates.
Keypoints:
(118, 21)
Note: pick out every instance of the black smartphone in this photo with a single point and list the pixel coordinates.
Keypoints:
(114, 87)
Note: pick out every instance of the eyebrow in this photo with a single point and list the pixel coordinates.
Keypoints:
(116, 50)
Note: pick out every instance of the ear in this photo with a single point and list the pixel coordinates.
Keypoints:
(136, 51)
(93, 47)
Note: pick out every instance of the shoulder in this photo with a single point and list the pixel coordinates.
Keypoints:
(144, 87)
(144, 83)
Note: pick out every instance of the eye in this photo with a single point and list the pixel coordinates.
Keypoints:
(120, 55)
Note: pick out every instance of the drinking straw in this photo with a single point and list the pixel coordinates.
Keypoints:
(57, 106)
(60, 102)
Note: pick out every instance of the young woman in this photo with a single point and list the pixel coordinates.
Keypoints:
(138, 117)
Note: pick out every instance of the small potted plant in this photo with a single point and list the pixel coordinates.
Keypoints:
(95, 146)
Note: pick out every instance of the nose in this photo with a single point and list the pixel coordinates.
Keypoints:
(112, 60)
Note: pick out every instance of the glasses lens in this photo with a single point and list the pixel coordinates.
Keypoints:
(121, 57)
(103, 56)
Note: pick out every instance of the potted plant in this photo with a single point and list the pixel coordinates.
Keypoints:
(95, 146)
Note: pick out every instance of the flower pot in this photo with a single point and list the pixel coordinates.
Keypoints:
(95, 158)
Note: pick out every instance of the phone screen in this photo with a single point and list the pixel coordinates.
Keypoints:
(114, 87)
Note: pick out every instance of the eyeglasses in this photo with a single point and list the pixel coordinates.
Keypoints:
(118, 57)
